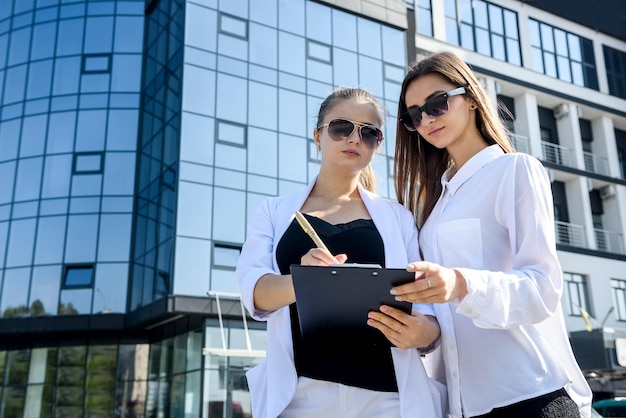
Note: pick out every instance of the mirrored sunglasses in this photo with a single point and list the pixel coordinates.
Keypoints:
(340, 129)
(435, 107)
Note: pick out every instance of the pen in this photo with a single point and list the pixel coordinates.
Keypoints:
(306, 226)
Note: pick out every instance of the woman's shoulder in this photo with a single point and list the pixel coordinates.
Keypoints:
(519, 157)
(520, 168)
(515, 161)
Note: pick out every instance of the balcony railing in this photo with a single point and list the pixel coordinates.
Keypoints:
(596, 164)
(570, 234)
(520, 143)
(609, 241)
(557, 154)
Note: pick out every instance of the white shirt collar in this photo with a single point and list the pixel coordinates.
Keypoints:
(472, 165)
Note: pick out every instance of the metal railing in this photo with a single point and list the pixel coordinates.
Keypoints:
(570, 234)
(557, 154)
(225, 350)
(520, 143)
(596, 164)
(609, 241)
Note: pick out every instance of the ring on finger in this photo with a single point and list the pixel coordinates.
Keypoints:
(428, 281)
(400, 329)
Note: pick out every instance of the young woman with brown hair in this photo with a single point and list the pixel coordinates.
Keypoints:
(491, 270)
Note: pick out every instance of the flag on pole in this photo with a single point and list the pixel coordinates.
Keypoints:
(585, 316)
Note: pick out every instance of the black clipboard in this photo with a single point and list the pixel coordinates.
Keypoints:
(335, 301)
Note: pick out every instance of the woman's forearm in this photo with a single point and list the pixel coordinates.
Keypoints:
(432, 332)
(273, 291)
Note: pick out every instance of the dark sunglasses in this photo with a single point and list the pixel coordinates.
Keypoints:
(340, 129)
(435, 107)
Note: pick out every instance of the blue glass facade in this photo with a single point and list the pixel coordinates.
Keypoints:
(251, 90)
(158, 154)
(136, 137)
(70, 74)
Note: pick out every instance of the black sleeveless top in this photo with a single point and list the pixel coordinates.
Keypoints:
(358, 363)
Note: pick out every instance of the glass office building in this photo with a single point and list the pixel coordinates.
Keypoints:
(137, 137)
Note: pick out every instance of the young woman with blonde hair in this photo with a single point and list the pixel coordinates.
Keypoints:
(337, 377)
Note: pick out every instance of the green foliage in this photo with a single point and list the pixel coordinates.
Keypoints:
(72, 356)
(71, 376)
(14, 401)
(67, 309)
(69, 412)
(69, 396)
(21, 311)
(17, 367)
(100, 381)
(100, 401)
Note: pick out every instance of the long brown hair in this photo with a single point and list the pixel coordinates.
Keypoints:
(367, 177)
(419, 165)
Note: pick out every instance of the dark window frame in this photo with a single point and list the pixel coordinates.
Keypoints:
(321, 44)
(580, 287)
(77, 155)
(587, 60)
(86, 57)
(69, 267)
(615, 61)
(244, 143)
(618, 289)
(424, 10)
(223, 31)
(489, 30)
(227, 246)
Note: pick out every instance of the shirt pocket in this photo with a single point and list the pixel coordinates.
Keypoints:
(460, 243)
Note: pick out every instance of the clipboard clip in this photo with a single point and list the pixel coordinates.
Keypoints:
(366, 266)
(359, 265)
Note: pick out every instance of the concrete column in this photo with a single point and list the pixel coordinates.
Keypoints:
(527, 122)
(598, 53)
(615, 210)
(492, 87)
(604, 144)
(524, 36)
(36, 378)
(613, 195)
(566, 115)
(579, 207)
(439, 20)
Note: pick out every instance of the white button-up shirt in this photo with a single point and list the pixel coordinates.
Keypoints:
(494, 223)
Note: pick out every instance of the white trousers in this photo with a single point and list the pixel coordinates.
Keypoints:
(321, 399)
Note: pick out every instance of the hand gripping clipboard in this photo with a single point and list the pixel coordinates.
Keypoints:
(335, 301)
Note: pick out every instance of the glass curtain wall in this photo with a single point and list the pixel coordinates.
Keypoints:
(562, 54)
(162, 379)
(158, 164)
(483, 27)
(69, 96)
(255, 74)
(229, 96)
